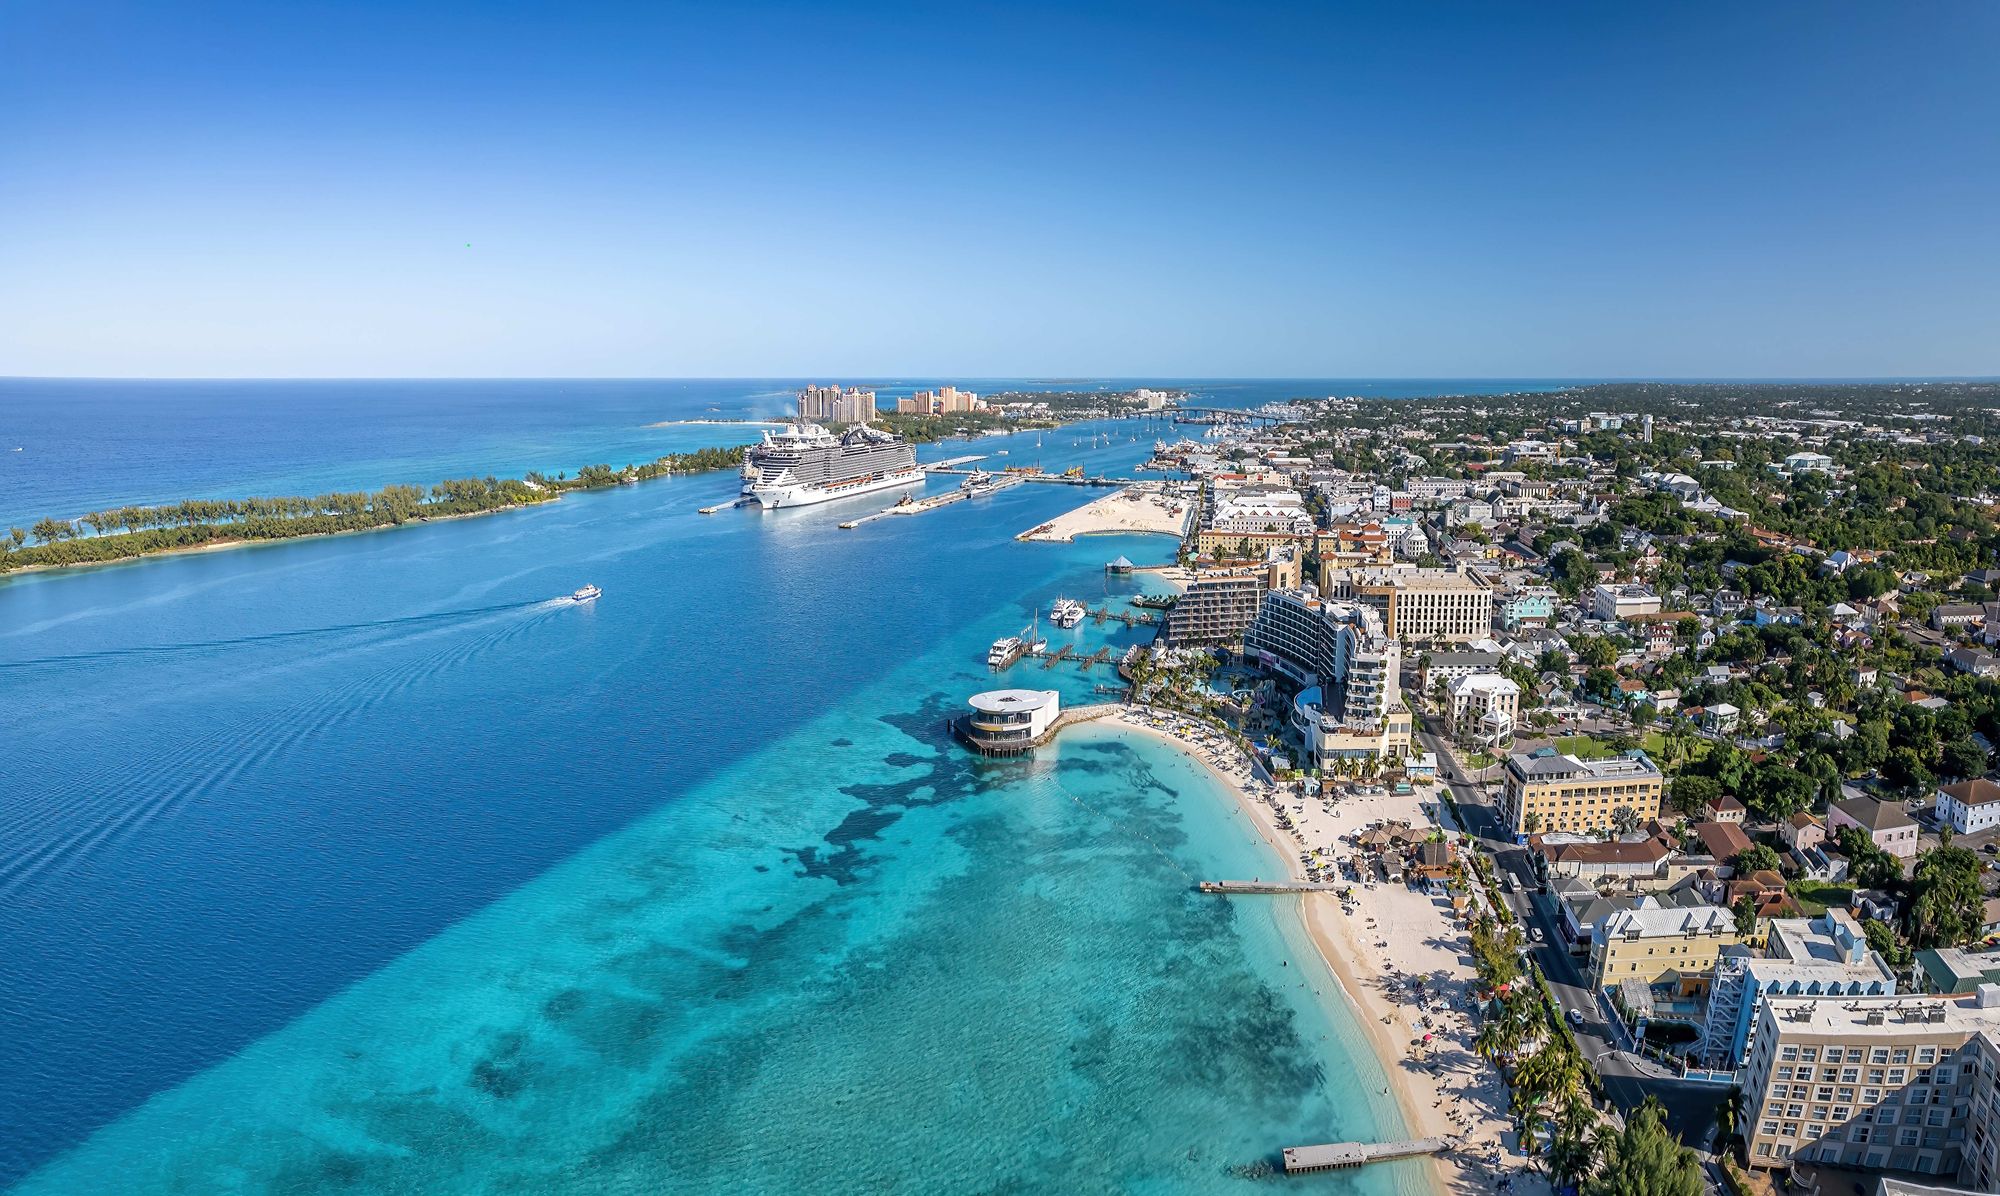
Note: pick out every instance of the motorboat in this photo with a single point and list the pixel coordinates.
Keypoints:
(586, 594)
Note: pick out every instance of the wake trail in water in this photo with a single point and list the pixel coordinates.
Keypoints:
(243, 747)
(270, 637)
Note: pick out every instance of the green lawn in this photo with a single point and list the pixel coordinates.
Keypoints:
(1816, 896)
(1583, 747)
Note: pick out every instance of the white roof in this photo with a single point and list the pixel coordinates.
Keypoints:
(1008, 701)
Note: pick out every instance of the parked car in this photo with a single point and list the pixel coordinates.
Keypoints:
(1576, 1018)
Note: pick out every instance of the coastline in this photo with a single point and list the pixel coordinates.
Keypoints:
(1422, 1081)
(1140, 509)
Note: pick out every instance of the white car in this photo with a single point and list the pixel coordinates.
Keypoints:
(1535, 933)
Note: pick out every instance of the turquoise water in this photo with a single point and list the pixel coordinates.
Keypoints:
(363, 864)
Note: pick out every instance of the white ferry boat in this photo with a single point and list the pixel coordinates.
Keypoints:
(586, 594)
(1067, 612)
(806, 464)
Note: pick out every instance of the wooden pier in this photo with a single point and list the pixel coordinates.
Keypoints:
(1126, 617)
(1049, 662)
(1229, 887)
(1337, 1156)
(1096, 658)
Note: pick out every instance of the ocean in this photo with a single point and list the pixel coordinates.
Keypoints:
(368, 864)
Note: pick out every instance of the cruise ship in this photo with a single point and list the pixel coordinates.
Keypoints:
(806, 464)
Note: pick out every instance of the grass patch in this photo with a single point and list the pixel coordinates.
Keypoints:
(1584, 747)
(1815, 897)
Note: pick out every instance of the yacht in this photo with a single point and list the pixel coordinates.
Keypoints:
(586, 594)
(1067, 612)
(1003, 652)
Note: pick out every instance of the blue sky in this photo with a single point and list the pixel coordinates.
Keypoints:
(495, 189)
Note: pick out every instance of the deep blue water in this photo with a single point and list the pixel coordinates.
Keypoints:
(361, 864)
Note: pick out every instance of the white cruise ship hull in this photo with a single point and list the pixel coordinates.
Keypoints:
(792, 494)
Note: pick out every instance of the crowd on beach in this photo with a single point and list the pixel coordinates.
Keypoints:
(1402, 955)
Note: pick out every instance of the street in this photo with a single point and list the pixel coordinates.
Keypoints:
(1628, 1079)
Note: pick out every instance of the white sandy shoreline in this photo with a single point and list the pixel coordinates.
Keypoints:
(1144, 508)
(1445, 1089)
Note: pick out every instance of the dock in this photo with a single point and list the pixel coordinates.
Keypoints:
(1057, 478)
(1049, 662)
(1229, 887)
(1096, 658)
(1126, 617)
(1337, 1156)
(951, 464)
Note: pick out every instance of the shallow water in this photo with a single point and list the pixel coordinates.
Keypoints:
(364, 864)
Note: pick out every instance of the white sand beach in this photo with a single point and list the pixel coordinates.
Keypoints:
(1144, 507)
(1400, 957)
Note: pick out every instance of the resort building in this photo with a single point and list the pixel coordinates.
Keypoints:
(1825, 958)
(1896, 1083)
(1350, 702)
(1215, 610)
(1969, 806)
(1417, 604)
(1563, 793)
(1484, 708)
(1654, 943)
(1447, 667)
(833, 405)
(1007, 721)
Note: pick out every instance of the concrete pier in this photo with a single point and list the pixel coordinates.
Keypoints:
(1228, 887)
(1340, 1155)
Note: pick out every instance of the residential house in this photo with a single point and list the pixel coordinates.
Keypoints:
(1885, 824)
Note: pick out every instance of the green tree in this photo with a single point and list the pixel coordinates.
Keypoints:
(1868, 866)
(1646, 1159)
(1756, 857)
(1692, 791)
(1745, 910)
(1883, 941)
(1946, 906)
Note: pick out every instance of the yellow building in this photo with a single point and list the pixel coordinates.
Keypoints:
(1564, 793)
(1651, 942)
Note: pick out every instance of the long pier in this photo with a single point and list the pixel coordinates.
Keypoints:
(1049, 662)
(1238, 887)
(1336, 1156)
(1056, 478)
(1126, 617)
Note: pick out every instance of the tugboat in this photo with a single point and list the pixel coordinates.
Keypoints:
(586, 594)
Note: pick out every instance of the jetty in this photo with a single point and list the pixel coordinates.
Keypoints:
(1338, 1156)
(1228, 887)
(951, 464)
(1096, 658)
(1060, 479)
(1126, 617)
(1049, 662)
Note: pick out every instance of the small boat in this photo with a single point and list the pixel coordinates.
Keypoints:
(586, 594)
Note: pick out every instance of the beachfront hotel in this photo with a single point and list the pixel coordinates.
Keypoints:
(833, 405)
(1563, 793)
(1825, 958)
(1417, 604)
(1902, 1083)
(1350, 703)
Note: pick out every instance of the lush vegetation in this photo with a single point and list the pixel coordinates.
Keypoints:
(127, 532)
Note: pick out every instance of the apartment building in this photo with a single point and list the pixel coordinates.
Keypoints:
(1616, 602)
(1899, 1083)
(1825, 958)
(1417, 604)
(1214, 610)
(1564, 793)
(1484, 708)
(1652, 941)
(834, 405)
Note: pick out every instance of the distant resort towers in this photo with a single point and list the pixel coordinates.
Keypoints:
(834, 405)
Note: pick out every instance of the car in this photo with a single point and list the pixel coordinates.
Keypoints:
(1991, 849)
(1575, 1017)
(1535, 933)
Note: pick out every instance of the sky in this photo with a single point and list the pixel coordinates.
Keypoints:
(499, 189)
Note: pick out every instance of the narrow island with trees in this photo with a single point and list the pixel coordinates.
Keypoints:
(124, 533)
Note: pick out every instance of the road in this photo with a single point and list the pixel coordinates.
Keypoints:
(1628, 1079)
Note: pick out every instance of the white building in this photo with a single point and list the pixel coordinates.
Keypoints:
(1005, 721)
(1819, 462)
(1613, 603)
(1350, 704)
(1484, 708)
(1969, 806)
